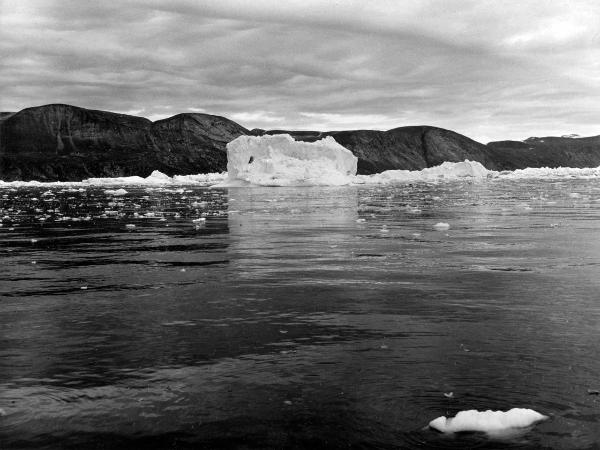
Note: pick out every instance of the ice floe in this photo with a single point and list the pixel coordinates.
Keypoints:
(156, 178)
(441, 226)
(116, 192)
(445, 171)
(491, 422)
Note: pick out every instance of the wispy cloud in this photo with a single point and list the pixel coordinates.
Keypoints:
(487, 69)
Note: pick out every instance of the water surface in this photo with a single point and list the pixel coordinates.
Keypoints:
(298, 318)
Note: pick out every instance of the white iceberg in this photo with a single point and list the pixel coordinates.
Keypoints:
(491, 422)
(279, 160)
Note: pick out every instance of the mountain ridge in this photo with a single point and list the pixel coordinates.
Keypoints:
(69, 143)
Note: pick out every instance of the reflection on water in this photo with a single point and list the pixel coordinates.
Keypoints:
(314, 317)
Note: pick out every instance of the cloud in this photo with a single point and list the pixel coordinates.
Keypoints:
(491, 70)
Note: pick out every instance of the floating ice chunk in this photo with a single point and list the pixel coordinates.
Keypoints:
(279, 160)
(200, 222)
(445, 171)
(116, 192)
(489, 421)
(441, 226)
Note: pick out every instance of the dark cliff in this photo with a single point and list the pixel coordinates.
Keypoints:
(62, 142)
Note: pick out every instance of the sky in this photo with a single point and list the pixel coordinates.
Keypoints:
(488, 69)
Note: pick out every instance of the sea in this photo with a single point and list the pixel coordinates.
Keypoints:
(183, 316)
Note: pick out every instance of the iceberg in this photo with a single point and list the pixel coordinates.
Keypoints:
(445, 171)
(490, 422)
(279, 160)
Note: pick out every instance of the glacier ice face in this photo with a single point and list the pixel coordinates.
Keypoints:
(491, 422)
(279, 160)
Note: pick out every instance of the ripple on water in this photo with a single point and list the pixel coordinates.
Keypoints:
(317, 317)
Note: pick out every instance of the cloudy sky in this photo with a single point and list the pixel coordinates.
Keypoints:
(486, 68)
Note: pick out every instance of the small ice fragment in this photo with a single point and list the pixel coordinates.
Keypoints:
(441, 226)
(83, 288)
(574, 195)
(33, 241)
(115, 192)
(182, 270)
(130, 226)
(199, 220)
(33, 262)
(361, 220)
(287, 402)
(487, 421)
(449, 394)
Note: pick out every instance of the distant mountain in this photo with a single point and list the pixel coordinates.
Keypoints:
(63, 142)
(546, 152)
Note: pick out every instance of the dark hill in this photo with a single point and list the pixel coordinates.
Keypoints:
(546, 152)
(62, 142)
(194, 143)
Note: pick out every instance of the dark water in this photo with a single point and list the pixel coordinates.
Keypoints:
(286, 321)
